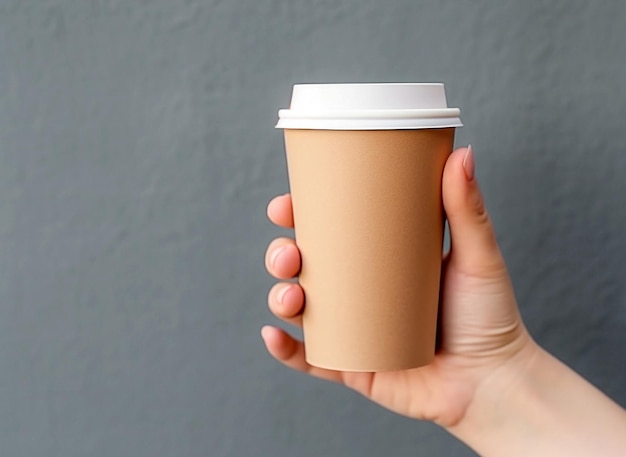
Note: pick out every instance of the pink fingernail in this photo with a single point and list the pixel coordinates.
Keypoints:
(275, 255)
(468, 163)
(281, 295)
(265, 331)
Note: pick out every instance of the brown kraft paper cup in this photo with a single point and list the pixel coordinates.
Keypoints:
(369, 224)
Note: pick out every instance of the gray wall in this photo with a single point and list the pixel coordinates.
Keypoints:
(136, 157)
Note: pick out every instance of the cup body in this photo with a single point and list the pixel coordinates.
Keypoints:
(369, 225)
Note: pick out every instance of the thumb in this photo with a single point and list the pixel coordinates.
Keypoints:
(474, 249)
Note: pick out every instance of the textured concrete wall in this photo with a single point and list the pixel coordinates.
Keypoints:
(136, 157)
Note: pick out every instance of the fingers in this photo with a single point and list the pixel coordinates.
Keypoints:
(290, 352)
(474, 249)
(282, 258)
(280, 212)
(286, 301)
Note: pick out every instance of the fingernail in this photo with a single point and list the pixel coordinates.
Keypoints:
(275, 255)
(265, 331)
(268, 210)
(281, 294)
(468, 163)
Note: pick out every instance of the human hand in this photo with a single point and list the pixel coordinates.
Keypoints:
(481, 331)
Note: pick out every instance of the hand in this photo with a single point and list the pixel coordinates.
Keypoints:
(481, 329)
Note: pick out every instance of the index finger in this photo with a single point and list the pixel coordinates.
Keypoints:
(280, 212)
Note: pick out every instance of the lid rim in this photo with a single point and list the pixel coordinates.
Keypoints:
(436, 113)
(369, 124)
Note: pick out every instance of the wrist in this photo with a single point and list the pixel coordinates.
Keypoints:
(535, 405)
(497, 398)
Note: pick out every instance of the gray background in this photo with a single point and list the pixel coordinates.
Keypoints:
(137, 155)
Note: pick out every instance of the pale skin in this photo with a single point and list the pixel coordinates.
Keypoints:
(490, 384)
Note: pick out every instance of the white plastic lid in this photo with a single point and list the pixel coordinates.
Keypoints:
(386, 106)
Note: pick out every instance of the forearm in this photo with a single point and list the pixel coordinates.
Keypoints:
(541, 407)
